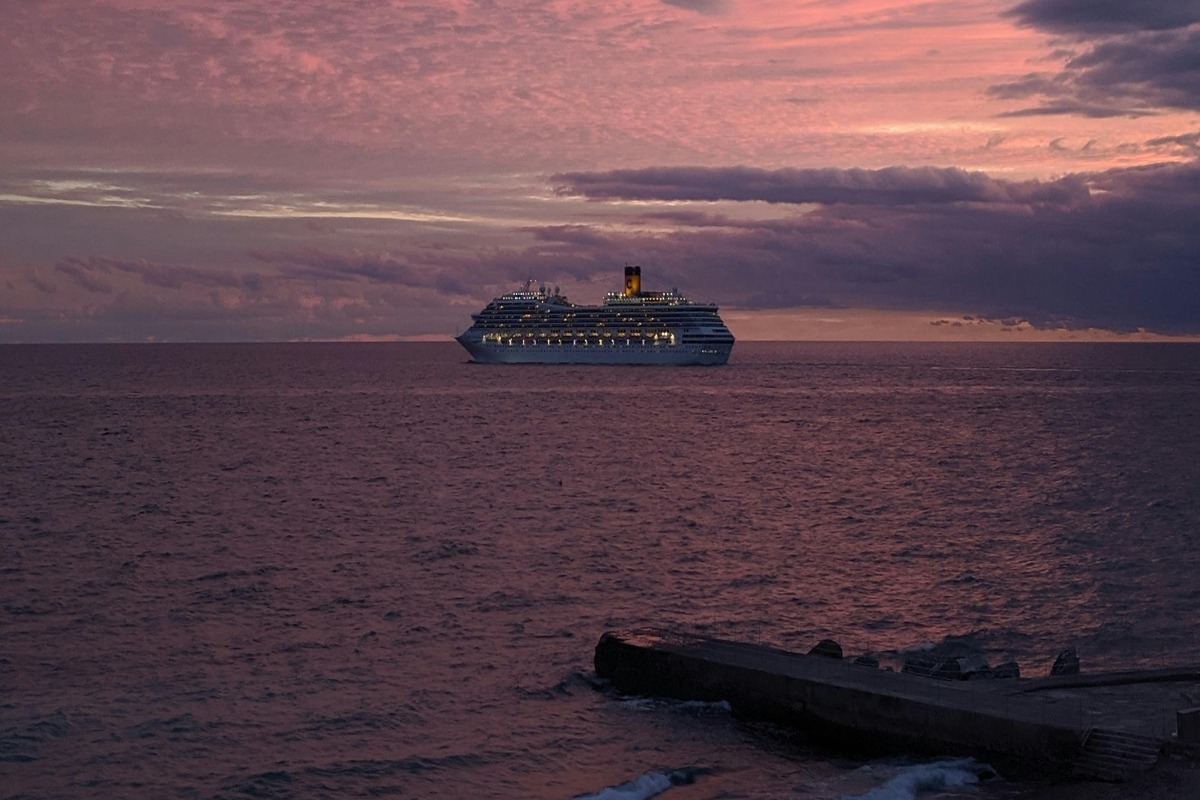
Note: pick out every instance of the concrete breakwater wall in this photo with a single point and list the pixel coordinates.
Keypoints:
(854, 703)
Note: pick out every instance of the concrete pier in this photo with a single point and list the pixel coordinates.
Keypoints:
(1047, 725)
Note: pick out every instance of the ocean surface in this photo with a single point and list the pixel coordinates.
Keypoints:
(377, 570)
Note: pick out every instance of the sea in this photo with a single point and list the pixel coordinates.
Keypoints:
(340, 570)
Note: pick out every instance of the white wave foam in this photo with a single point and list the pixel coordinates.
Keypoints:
(656, 703)
(648, 785)
(911, 782)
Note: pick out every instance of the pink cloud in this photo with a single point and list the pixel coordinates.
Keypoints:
(345, 161)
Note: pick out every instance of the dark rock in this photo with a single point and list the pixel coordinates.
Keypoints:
(1009, 669)
(1187, 725)
(973, 666)
(826, 647)
(867, 661)
(1067, 663)
(940, 667)
(949, 669)
(686, 776)
(919, 664)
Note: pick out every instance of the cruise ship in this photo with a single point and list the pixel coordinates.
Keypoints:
(533, 326)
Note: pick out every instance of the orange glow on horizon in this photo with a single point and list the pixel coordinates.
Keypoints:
(867, 325)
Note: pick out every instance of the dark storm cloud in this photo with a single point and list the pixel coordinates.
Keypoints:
(1097, 17)
(1133, 57)
(1161, 67)
(1116, 250)
(891, 186)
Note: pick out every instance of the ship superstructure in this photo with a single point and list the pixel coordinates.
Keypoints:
(536, 326)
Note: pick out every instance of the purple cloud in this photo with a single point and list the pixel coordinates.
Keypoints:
(41, 284)
(84, 274)
(1116, 250)
(1135, 56)
(890, 186)
(303, 294)
(1188, 143)
(708, 7)
(95, 274)
(1091, 17)
(378, 268)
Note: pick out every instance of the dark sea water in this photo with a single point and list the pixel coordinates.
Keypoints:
(347, 570)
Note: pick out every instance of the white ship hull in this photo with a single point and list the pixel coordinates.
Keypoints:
(566, 353)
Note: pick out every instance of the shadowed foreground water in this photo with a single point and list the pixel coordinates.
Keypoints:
(377, 570)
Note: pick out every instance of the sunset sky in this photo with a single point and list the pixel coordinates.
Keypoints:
(202, 170)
